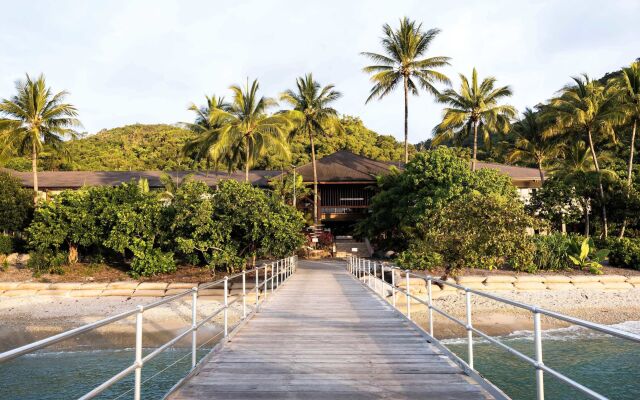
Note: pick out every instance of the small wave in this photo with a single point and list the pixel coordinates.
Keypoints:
(570, 333)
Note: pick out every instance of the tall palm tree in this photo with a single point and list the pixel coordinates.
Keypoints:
(475, 106)
(33, 117)
(244, 131)
(531, 144)
(402, 62)
(629, 83)
(314, 116)
(576, 168)
(588, 108)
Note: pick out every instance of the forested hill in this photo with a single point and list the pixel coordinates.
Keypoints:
(158, 147)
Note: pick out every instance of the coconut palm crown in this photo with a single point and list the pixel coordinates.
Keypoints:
(313, 116)
(474, 107)
(402, 63)
(531, 144)
(243, 131)
(35, 117)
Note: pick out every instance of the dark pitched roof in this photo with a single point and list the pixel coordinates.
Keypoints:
(76, 179)
(344, 166)
(516, 173)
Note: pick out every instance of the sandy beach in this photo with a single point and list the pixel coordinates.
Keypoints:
(25, 319)
(494, 318)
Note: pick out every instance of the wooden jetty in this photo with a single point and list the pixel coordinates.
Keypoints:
(323, 335)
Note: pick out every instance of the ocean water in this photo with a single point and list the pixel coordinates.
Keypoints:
(71, 374)
(607, 365)
(610, 366)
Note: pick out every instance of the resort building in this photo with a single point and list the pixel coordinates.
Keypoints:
(346, 181)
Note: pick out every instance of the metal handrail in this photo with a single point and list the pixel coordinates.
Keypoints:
(366, 272)
(280, 271)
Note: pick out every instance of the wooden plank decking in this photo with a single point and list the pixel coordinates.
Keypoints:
(325, 336)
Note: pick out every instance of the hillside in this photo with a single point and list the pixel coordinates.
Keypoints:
(158, 147)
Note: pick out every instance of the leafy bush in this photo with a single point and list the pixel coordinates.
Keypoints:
(46, 262)
(475, 231)
(151, 262)
(624, 252)
(430, 181)
(6, 244)
(552, 252)
(587, 257)
(16, 204)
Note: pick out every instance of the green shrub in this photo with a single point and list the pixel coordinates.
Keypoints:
(16, 204)
(6, 244)
(475, 231)
(624, 252)
(552, 252)
(152, 262)
(47, 262)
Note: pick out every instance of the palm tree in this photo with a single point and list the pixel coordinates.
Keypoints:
(588, 108)
(243, 131)
(576, 168)
(629, 83)
(207, 120)
(531, 144)
(402, 62)
(33, 117)
(314, 116)
(474, 107)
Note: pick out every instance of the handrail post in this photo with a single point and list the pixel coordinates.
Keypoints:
(408, 289)
(277, 276)
(469, 330)
(375, 275)
(194, 326)
(244, 293)
(369, 272)
(257, 273)
(138, 372)
(430, 299)
(265, 290)
(537, 337)
(226, 306)
(382, 280)
(272, 270)
(393, 286)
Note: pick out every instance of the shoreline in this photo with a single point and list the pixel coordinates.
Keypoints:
(26, 319)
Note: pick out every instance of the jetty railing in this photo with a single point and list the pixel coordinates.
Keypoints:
(275, 273)
(372, 274)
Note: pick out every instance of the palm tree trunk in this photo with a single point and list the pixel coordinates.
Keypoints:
(629, 172)
(246, 161)
(315, 181)
(605, 228)
(541, 173)
(406, 120)
(586, 218)
(34, 168)
(475, 146)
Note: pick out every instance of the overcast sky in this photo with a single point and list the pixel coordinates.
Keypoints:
(145, 61)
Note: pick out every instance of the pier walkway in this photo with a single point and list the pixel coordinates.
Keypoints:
(324, 335)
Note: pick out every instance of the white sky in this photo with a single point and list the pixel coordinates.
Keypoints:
(145, 61)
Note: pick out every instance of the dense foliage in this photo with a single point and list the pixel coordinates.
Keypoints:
(440, 213)
(16, 204)
(430, 180)
(624, 252)
(226, 227)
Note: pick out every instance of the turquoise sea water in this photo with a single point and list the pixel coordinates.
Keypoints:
(609, 366)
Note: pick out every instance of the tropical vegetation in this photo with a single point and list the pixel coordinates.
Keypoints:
(434, 209)
(402, 63)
